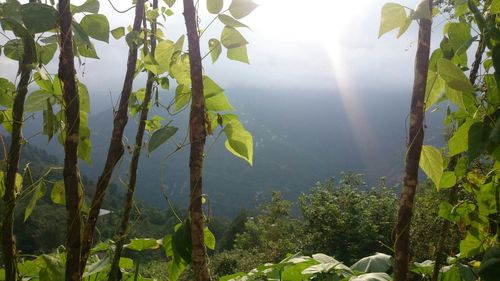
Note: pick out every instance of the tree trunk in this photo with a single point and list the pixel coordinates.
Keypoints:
(414, 148)
(115, 273)
(115, 150)
(197, 136)
(73, 191)
(8, 242)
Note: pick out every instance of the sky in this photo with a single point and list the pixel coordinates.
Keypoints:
(317, 45)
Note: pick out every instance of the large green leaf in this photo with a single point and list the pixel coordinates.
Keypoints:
(14, 49)
(163, 55)
(478, 139)
(39, 17)
(495, 7)
(47, 53)
(232, 38)
(37, 101)
(422, 11)
(241, 8)
(7, 92)
(238, 54)
(182, 97)
(215, 99)
(96, 26)
(160, 136)
(393, 16)
(39, 192)
(431, 162)
(472, 244)
(453, 76)
(239, 141)
(376, 263)
(215, 6)
(180, 69)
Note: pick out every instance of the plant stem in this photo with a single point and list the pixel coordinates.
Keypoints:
(123, 231)
(8, 242)
(115, 150)
(73, 191)
(414, 148)
(197, 137)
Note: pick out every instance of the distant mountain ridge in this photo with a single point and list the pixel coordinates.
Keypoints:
(299, 138)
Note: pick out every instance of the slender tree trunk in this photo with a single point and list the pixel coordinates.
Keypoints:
(73, 191)
(440, 256)
(8, 243)
(115, 150)
(414, 148)
(115, 273)
(197, 137)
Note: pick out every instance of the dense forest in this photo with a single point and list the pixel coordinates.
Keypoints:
(78, 208)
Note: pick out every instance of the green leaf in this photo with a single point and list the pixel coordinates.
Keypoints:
(96, 26)
(90, 6)
(433, 90)
(456, 97)
(238, 54)
(180, 69)
(80, 35)
(170, 3)
(160, 136)
(495, 7)
(14, 49)
(490, 265)
(215, 49)
(141, 244)
(39, 192)
(230, 21)
(422, 11)
(39, 17)
(84, 97)
(215, 100)
(215, 6)
(57, 195)
(453, 76)
(49, 121)
(472, 244)
(97, 267)
(47, 53)
(431, 162)
(232, 38)
(459, 142)
(181, 241)
(126, 263)
(163, 55)
(118, 32)
(239, 141)
(393, 16)
(7, 92)
(37, 101)
(182, 97)
(478, 139)
(241, 8)
(449, 179)
(209, 238)
(87, 50)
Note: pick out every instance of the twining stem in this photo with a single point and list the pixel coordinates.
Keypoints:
(8, 244)
(73, 190)
(197, 137)
(123, 230)
(413, 150)
(115, 150)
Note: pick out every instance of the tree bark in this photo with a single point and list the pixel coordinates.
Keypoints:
(414, 148)
(197, 137)
(115, 273)
(115, 150)
(8, 242)
(73, 191)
